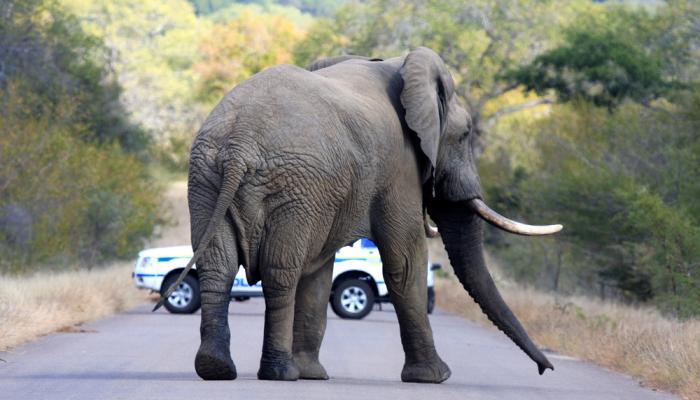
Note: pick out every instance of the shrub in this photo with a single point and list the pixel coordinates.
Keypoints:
(64, 199)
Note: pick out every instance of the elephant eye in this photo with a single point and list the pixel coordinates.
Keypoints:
(464, 136)
(467, 130)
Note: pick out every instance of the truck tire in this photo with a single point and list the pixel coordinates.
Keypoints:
(186, 299)
(352, 299)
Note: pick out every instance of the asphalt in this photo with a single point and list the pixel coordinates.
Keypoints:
(144, 355)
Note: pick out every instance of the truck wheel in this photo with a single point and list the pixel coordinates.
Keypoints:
(352, 299)
(185, 299)
(431, 300)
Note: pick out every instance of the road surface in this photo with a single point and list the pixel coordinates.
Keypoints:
(144, 355)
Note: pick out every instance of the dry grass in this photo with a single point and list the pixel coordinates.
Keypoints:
(31, 306)
(38, 304)
(661, 352)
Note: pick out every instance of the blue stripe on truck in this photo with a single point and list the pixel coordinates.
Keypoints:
(339, 259)
(165, 259)
(148, 275)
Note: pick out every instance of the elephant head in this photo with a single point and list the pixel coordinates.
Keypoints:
(442, 128)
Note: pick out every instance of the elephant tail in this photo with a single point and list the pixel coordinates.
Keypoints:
(230, 182)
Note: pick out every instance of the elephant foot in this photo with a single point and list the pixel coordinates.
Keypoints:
(310, 367)
(280, 367)
(426, 372)
(214, 364)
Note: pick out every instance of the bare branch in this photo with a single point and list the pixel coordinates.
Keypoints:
(511, 109)
(463, 89)
(496, 91)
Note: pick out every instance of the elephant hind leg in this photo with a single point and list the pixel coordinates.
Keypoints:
(293, 228)
(310, 309)
(277, 362)
(216, 269)
(280, 271)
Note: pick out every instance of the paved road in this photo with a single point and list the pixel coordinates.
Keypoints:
(142, 355)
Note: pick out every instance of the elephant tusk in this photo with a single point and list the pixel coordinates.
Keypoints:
(509, 225)
(430, 231)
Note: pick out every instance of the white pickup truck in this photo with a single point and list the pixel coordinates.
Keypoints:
(357, 280)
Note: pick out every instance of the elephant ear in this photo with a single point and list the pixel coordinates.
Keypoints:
(327, 62)
(427, 90)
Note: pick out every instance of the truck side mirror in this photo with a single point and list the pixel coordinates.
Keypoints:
(435, 266)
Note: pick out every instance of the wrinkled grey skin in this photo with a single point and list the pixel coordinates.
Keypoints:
(294, 164)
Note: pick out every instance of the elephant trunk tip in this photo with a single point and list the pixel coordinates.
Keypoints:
(543, 365)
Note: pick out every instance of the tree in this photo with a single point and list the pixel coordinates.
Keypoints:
(245, 45)
(313, 7)
(478, 40)
(54, 59)
(620, 53)
(63, 200)
(62, 138)
(602, 60)
(623, 178)
(624, 186)
(153, 46)
(671, 33)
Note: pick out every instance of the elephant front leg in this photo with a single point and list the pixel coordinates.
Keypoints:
(217, 270)
(310, 311)
(277, 362)
(405, 273)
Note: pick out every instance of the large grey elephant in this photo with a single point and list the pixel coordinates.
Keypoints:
(293, 164)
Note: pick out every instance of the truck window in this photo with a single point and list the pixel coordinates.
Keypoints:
(367, 244)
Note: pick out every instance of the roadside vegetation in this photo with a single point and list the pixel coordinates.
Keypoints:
(587, 113)
(74, 184)
(662, 352)
(45, 302)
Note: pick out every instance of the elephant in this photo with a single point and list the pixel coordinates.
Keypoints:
(295, 163)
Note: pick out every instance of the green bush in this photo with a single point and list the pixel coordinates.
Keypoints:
(49, 59)
(73, 170)
(62, 199)
(625, 187)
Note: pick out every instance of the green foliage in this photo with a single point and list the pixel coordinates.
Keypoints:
(599, 62)
(313, 7)
(241, 47)
(612, 54)
(671, 34)
(45, 49)
(236, 11)
(203, 7)
(62, 199)
(624, 179)
(153, 46)
(478, 40)
(173, 65)
(73, 182)
(625, 187)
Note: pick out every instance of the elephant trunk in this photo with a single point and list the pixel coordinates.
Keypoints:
(461, 231)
